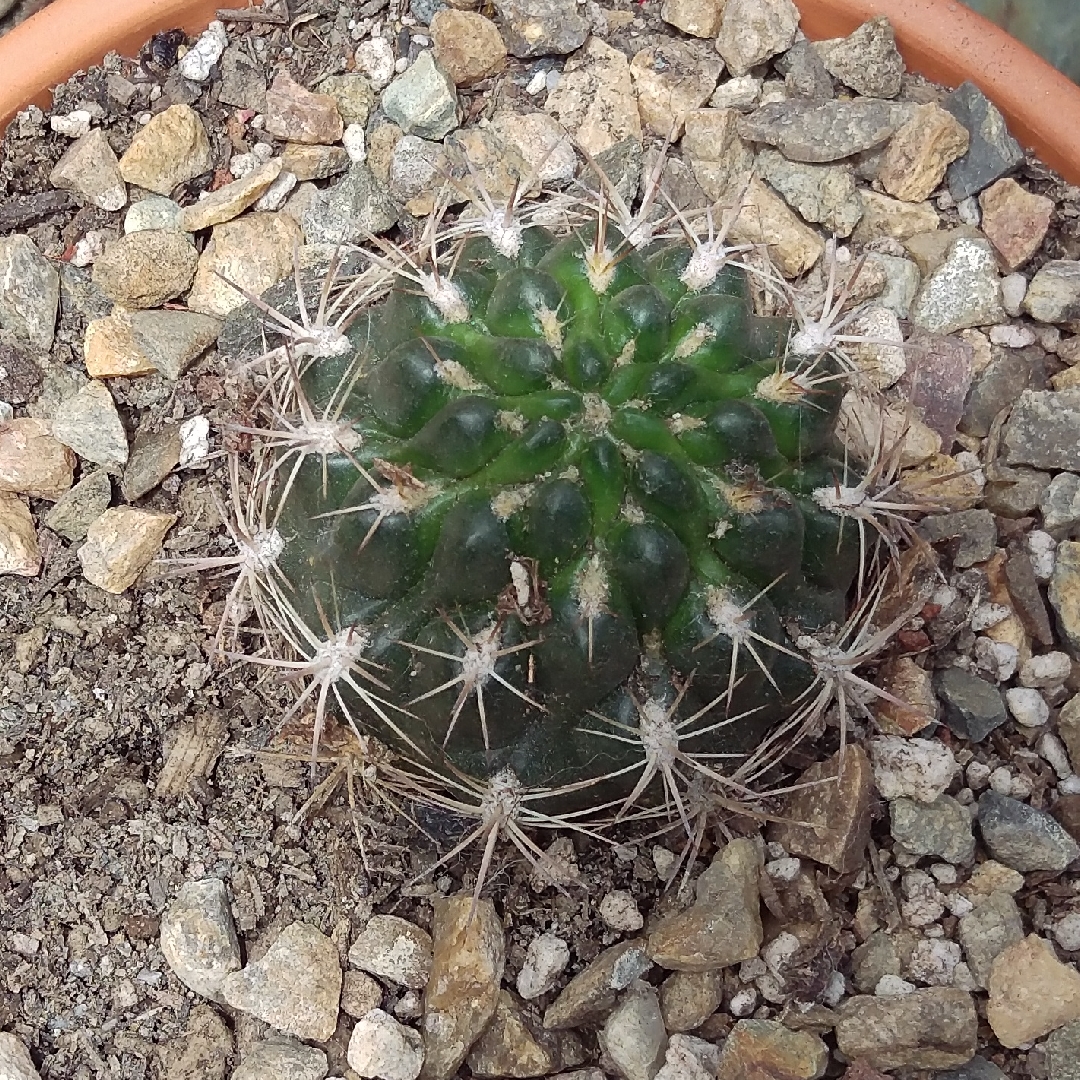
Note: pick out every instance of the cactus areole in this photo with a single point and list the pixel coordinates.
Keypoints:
(558, 510)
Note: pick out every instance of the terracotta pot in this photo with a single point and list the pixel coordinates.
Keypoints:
(941, 39)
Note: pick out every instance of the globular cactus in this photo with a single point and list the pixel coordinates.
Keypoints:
(551, 512)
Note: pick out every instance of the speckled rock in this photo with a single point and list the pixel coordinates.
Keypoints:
(753, 31)
(917, 156)
(1044, 430)
(699, 18)
(941, 828)
(29, 291)
(146, 268)
(886, 217)
(296, 114)
(198, 937)
(689, 998)
(1014, 220)
(672, 79)
(422, 101)
(1023, 837)
(633, 1037)
(964, 291)
(825, 194)
(541, 143)
(545, 960)
(89, 168)
(764, 218)
(867, 60)
(73, 512)
(393, 948)
(988, 931)
(170, 149)
(1054, 293)
(282, 1059)
(993, 151)
(32, 461)
(357, 206)
(542, 27)
(1031, 992)
(230, 200)
(120, 544)
(144, 342)
(89, 424)
(767, 1048)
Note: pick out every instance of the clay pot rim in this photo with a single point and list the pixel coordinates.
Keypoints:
(939, 39)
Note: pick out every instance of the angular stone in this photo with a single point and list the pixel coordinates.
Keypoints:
(1054, 293)
(671, 80)
(1022, 837)
(153, 456)
(153, 212)
(360, 994)
(347, 213)
(689, 998)
(32, 461)
(382, 1047)
(243, 84)
(15, 1061)
(885, 217)
(1062, 1051)
(973, 707)
(73, 512)
(20, 377)
(393, 948)
(595, 98)
(88, 167)
(720, 160)
(699, 18)
(827, 818)
(142, 342)
(1015, 220)
(19, 551)
(593, 991)
(422, 101)
(964, 291)
(297, 115)
(826, 194)
(203, 1049)
(540, 142)
(867, 60)
(467, 46)
(545, 960)
(314, 162)
(976, 533)
(998, 386)
(1044, 430)
(753, 31)
(120, 544)
(514, 1045)
(723, 925)
(925, 1029)
(144, 269)
(937, 385)
(88, 423)
(29, 292)
(993, 151)
(988, 931)
(912, 686)
(417, 172)
(542, 27)
(918, 154)
(826, 131)
(171, 149)
(633, 1038)
(942, 829)
(805, 74)
(764, 218)
(282, 1059)
(198, 937)
(230, 200)
(766, 1048)
(461, 995)
(1031, 992)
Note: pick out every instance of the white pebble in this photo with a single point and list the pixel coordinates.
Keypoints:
(934, 961)
(779, 952)
(553, 80)
(834, 991)
(743, 1002)
(786, 869)
(920, 769)
(959, 905)
(968, 209)
(75, 125)
(1047, 669)
(1020, 788)
(375, 59)
(1001, 780)
(545, 960)
(1027, 706)
(1070, 786)
(893, 986)
(273, 198)
(663, 861)
(620, 912)
(1066, 931)
(353, 140)
(242, 164)
(1013, 291)
(1012, 336)
(752, 969)
(197, 62)
(401, 64)
(987, 615)
(1053, 751)
(381, 1047)
(194, 441)
(1042, 548)
(977, 775)
(998, 659)
(91, 246)
(537, 84)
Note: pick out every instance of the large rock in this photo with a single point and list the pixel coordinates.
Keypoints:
(867, 60)
(1023, 837)
(766, 1048)
(32, 461)
(593, 991)
(672, 79)
(120, 544)
(88, 167)
(1031, 992)
(422, 101)
(764, 218)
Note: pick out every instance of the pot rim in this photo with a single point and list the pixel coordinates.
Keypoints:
(939, 39)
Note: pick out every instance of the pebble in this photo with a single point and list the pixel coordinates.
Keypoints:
(374, 59)
(753, 31)
(699, 18)
(360, 994)
(282, 1059)
(1062, 1050)
(1027, 706)
(254, 251)
(120, 544)
(619, 911)
(198, 62)
(764, 218)
(422, 101)
(514, 1044)
(825, 194)
(347, 213)
(689, 998)
(720, 160)
(1065, 593)
(1066, 931)
(902, 280)
(15, 1061)
(144, 342)
(417, 172)
(382, 1047)
(595, 98)
(1031, 992)
(394, 948)
(768, 1048)
(884, 217)
(88, 423)
(923, 903)
(1022, 837)
(941, 828)
(146, 268)
(964, 291)
(19, 550)
(993, 151)
(541, 143)
(29, 292)
(1054, 293)
(461, 995)
(1041, 549)
(171, 149)
(867, 60)
(689, 1058)
(633, 1038)
(229, 200)
(805, 75)
(973, 707)
(935, 1028)
(1012, 336)
(242, 84)
(89, 168)
(820, 132)
(153, 456)
(298, 115)
(153, 212)
(74, 125)
(1015, 221)
(934, 962)
(32, 461)
(467, 46)
(593, 991)
(1045, 669)
(1044, 430)
(72, 513)
(987, 931)
(542, 27)
(917, 156)
(545, 960)
(930, 249)
(829, 822)
(723, 925)
(920, 769)
(672, 79)
(742, 94)
(1060, 506)
(198, 938)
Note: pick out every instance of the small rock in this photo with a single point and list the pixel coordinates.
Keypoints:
(993, 151)
(999, 385)
(417, 172)
(120, 544)
(542, 27)
(1031, 992)
(689, 998)
(723, 925)
(964, 291)
(142, 342)
(144, 269)
(920, 769)
(1013, 289)
(88, 423)
(1044, 430)
(1015, 220)
(153, 212)
(938, 384)
(867, 60)
(29, 291)
(89, 169)
(20, 377)
(422, 101)
(351, 210)
(765, 219)
(314, 162)
(1023, 837)
(619, 911)
(243, 84)
(1061, 505)
(942, 828)
(1065, 592)
(198, 937)
(823, 132)
(753, 31)
(973, 707)
(201, 1052)
(254, 251)
(73, 512)
(394, 949)
(19, 551)
(1046, 669)
(699, 18)
(672, 79)
(805, 74)
(742, 94)
(32, 461)
(918, 154)
(885, 217)
(282, 1059)
(353, 95)
(230, 200)
(1062, 1051)
(461, 995)
(375, 59)
(593, 991)
(171, 149)
(720, 160)
(1027, 706)
(295, 114)
(153, 456)
(541, 143)
(595, 98)
(767, 1048)
(633, 1036)
(912, 685)
(988, 931)
(930, 249)
(513, 1044)
(829, 822)
(978, 1068)
(383, 1048)
(873, 960)
(545, 960)
(467, 46)
(1054, 293)
(270, 989)
(15, 1061)
(925, 1029)
(825, 194)
(198, 62)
